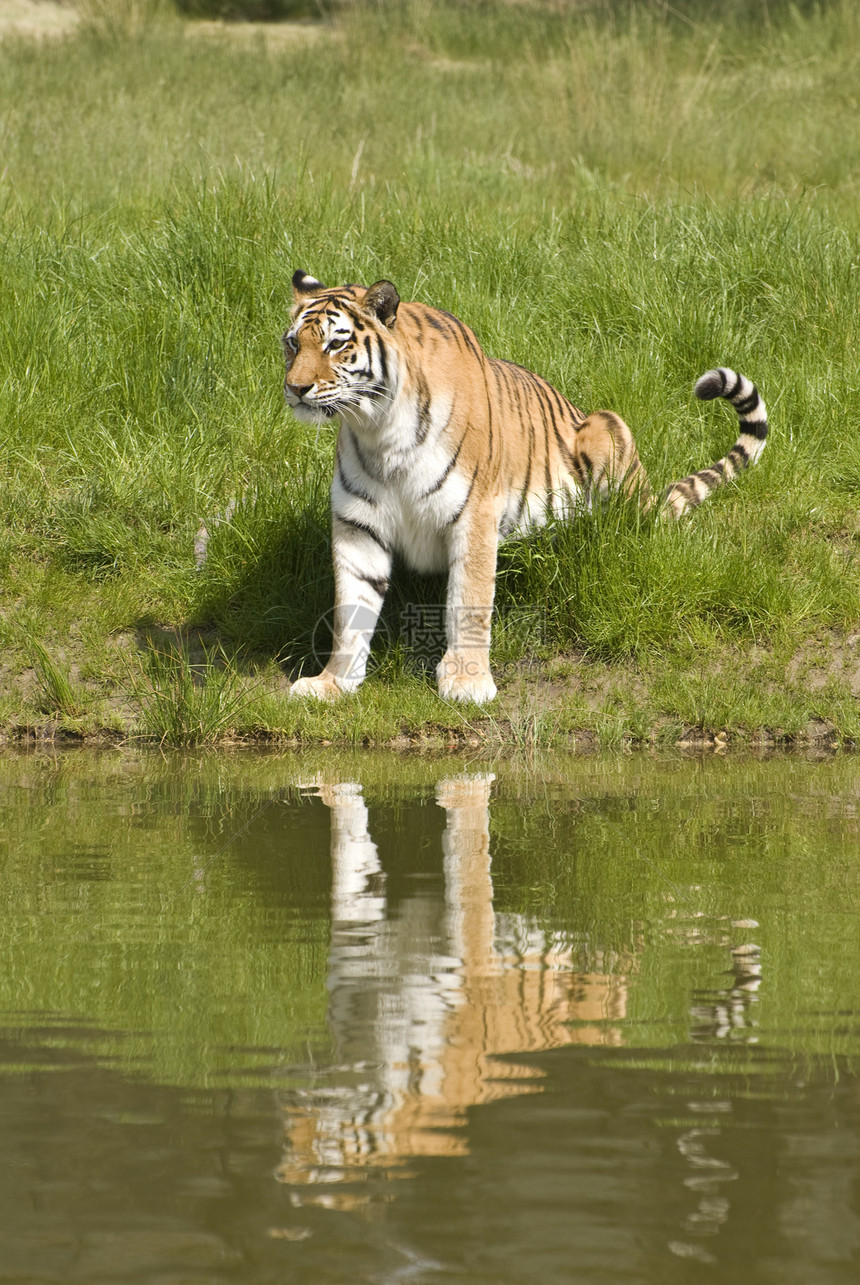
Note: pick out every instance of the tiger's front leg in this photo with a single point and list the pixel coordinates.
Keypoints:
(362, 566)
(463, 673)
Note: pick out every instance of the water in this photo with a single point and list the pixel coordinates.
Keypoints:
(269, 1018)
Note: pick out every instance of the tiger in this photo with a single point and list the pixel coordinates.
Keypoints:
(443, 452)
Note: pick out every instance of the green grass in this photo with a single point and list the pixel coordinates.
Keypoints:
(188, 702)
(615, 197)
(59, 694)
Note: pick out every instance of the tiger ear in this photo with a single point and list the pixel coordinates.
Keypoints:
(382, 301)
(304, 285)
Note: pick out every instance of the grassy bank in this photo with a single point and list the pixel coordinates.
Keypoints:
(616, 198)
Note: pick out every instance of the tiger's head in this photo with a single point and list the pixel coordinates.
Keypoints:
(340, 359)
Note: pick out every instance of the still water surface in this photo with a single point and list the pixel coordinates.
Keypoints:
(339, 1020)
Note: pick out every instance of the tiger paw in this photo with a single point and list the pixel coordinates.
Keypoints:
(321, 688)
(465, 676)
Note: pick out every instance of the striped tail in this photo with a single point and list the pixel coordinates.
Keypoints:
(752, 413)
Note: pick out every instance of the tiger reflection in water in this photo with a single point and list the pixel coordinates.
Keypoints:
(422, 1019)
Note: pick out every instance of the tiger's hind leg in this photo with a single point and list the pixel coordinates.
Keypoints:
(463, 673)
(608, 460)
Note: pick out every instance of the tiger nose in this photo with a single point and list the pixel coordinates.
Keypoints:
(300, 389)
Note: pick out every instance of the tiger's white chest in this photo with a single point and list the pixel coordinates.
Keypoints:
(399, 479)
(417, 524)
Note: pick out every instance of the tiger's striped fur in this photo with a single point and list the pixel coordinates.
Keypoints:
(443, 452)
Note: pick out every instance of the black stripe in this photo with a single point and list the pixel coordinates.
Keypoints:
(459, 513)
(425, 401)
(550, 410)
(351, 489)
(569, 413)
(746, 404)
(514, 380)
(465, 336)
(378, 583)
(571, 464)
(548, 416)
(739, 451)
(439, 322)
(506, 380)
(546, 393)
(688, 490)
(526, 485)
(527, 377)
(729, 393)
(712, 476)
(489, 419)
(538, 385)
(755, 428)
(363, 464)
(383, 362)
(437, 486)
(365, 530)
(345, 564)
(567, 408)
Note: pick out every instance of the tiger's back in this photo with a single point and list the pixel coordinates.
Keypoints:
(443, 452)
